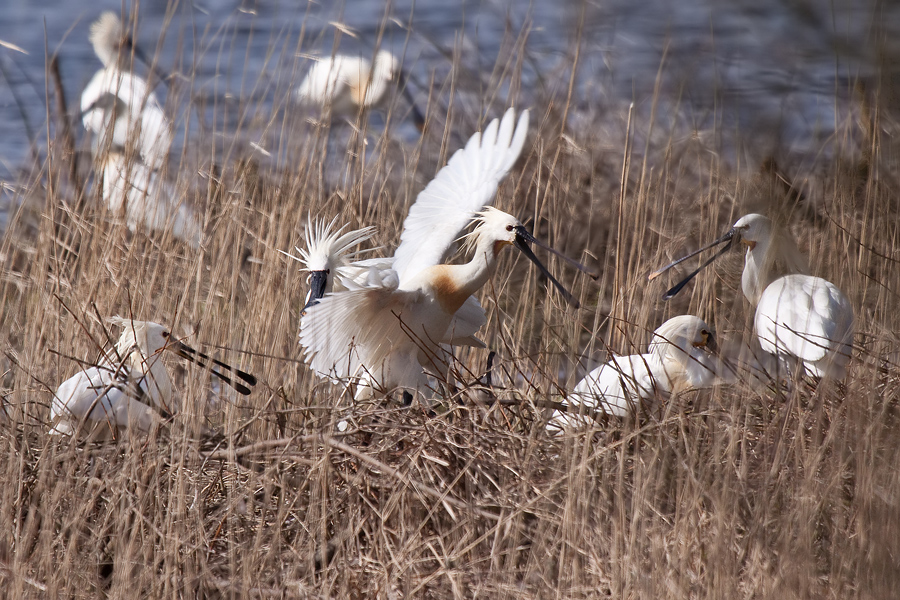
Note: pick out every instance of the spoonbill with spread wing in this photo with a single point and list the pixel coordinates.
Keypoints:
(388, 327)
(804, 321)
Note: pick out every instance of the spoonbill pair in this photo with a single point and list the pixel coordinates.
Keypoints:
(681, 356)
(391, 325)
(132, 138)
(345, 84)
(130, 387)
(805, 322)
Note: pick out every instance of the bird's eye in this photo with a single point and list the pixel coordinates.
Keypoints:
(165, 334)
(509, 227)
(327, 272)
(704, 332)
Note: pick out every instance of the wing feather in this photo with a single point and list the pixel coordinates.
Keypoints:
(807, 317)
(144, 124)
(463, 187)
(101, 394)
(351, 332)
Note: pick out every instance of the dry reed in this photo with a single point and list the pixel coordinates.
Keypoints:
(734, 492)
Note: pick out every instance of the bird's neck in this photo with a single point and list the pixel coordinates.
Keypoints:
(773, 257)
(156, 381)
(757, 268)
(455, 283)
(482, 265)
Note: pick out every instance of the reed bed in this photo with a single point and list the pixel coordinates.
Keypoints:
(741, 491)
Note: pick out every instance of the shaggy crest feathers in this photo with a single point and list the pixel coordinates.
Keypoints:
(484, 219)
(106, 36)
(326, 249)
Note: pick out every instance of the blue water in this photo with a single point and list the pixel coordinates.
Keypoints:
(741, 66)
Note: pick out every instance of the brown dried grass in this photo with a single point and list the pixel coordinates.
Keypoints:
(735, 492)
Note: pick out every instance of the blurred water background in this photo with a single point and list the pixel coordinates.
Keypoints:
(767, 73)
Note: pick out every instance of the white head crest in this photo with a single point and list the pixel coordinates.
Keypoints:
(106, 37)
(326, 250)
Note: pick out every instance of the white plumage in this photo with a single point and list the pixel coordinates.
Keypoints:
(145, 199)
(799, 317)
(451, 200)
(805, 322)
(117, 106)
(387, 329)
(130, 387)
(679, 357)
(345, 83)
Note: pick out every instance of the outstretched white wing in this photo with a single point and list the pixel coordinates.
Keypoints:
(465, 186)
(352, 333)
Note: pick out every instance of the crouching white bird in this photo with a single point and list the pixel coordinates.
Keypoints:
(345, 83)
(146, 200)
(804, 321)
(131, 388)
(680, 356)
(388, 329)
(117, 106)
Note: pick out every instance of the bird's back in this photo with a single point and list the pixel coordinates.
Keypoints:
(808, 318)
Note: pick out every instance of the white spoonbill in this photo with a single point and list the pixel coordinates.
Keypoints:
(145, 199)
(131, 386)
(802, 320)
(389, 328)
(331, 266)
(117, 106)
(347, 83)
(680, 357)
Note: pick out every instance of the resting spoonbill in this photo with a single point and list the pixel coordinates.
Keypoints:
(146, 200)
(131, 386)
(804, 321)
(347, 83)
(117, 106)
(680, 356)
(386, 329)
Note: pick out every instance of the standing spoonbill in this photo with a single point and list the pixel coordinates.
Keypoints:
(680, 356)
(117, 106)
(347, 83)
(388, 329)
(802, 320)
(131, 388)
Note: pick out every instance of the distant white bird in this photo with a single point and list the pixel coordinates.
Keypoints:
(803, 320)
(145, 199)
(345, 83)
(130, 388)
(680, 357)
(117, 106)
(386, 330)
